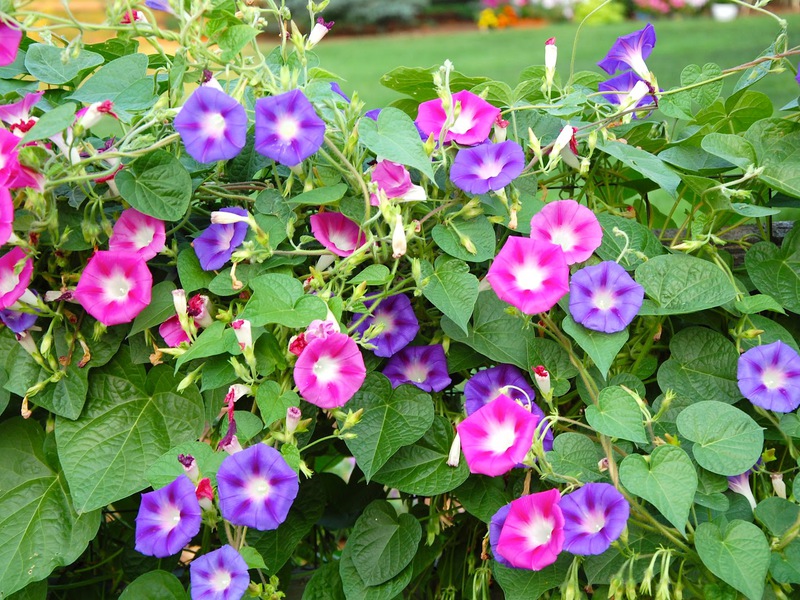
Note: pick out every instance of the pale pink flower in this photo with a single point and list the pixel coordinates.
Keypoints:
(138, 233)
(336, 232)
(533, 532)
(329, 371)
(13, 281)
(569, 225)
(472, 125)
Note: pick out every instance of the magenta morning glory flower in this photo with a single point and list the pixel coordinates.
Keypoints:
(487, 167)
(569, 225)
(422, 366)
(533, 532)
(486, 385)
(114, 287)
(627, 90)
(496, 438)
(630, 51)
(10, 37)
(6, 215)
(594, 516)
(17, 115)
(473, 123)
(329, 371)
(288, 129)
(394, 180)
(529, 274)
(769, 376)
(13, 283)
(398, 321)
(138, 233)
(168, 519)
(212, 125)
(604, 297)
(215, 246)
(219, 575)
(336, 232)
(256, 487)
(495, 527)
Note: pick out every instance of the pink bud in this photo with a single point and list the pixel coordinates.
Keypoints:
(241, 328)
(542, 377)
(190, 466)
(298, 343)
(319, 31)
(293, 416)
(205, 493)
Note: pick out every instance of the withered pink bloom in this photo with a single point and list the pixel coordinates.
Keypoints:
(472, 125)
(569, 225)
(529, 274)
(329, 371)
(394, 180)
(114, 287)
(336, 232)
(138, 233)
(89, 116)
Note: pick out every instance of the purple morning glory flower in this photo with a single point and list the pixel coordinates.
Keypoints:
(740, 484)
(213, 126)
(769, 376)
(217, 243)
(422, 366)
(630, 51)
(486, 385)
(288, 129)
(337, 89)
(594, 516)
(487, 166)
(495, 527)
(18, 321)
(623, 86)
(168, 519)
(373, 114)
(256, 487)
(219, 575)
(400, 325)
(162, 5)
(604, 297)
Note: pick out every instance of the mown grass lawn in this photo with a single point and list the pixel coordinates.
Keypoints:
(502, 55)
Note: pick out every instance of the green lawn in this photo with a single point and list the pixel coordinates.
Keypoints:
(503, 54)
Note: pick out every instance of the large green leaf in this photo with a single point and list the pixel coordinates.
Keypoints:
(383, 543)
(161, 308)
(392, 418)
(738, 554)
(482, 496)
(156, 184)
(702, 365)
(50, 64)
(617, 415)
(648, 165)
(280, 299)
(639, 239)
(325, 584)
(785, 564)
(601, 347)
(167, 468)
(129, 421)
(154, 585)
(214, 339)
(576, 456)
(776, 272)
(521, 584)
(777, 145)
(479, 231)
(421, 468)
(705, 94)
(726, 440)
(354, 586)
(417, 82)
(113, 80)
(52, 123)
(395, 137)
(679, 283)
(39, 528)
(667, 479)
(451, 288)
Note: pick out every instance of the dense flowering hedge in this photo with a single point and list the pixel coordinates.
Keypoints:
(536, 338)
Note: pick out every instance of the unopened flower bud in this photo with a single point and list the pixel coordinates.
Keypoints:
(189, 379)
(199, 309)
(297, 343)
(231, 445)
(27, 342)
(205, 494)
(220, 217)
(190, 466)
(293, 416)
(133, 16)
(542, 378)
(319, 31)
(179, 301)
(454, 456)
(778, 486)
(244, 336)
(88, 117)
(398, 238)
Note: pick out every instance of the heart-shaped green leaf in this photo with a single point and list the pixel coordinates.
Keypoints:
(280, 299)
(617, 415)
(391, 419)
(704, 95)
(667, 480)
(395, 137)
(601, 347)
(739, 555)
(451, 288)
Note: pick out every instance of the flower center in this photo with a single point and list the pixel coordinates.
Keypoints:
(594, 522)
(417, 372)
(287, 129)
(143, 237)
(170, 517)
(500, 438)
(564, 237)
(385, 322)
(463, 123)
(604, 299)
(341, 240)
(529, 277)
(539, 531)
(259, 488)
(118, 286)
(773, 378)
(490, 169)
(8, 282)
(214, 125)
(326, 369)
(220, 580)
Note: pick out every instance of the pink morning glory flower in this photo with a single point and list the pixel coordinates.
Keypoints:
(604, 297)
(212, 125)
(533, 533)
(769, 376)
(9, 163)
(473, 123)
(288, 129)
(496, 438)
(114, 287)
(594, 516)
(394, 180)
(138, 233)
(630, 51)
(487, 167)
(215, 246)
(6, 215)
(10, 37)
(329, 371)
(17, 115)
(569, 225)
(399, 325)
(256, 488)
(172, 332)
(422, 366)
(168, 519)
(14, 282)
(219, 575)
(336, 232)
(529, 274)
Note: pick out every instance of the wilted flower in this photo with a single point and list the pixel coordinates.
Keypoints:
(115, 286)
(219, 575)
(336, 232)
(604, 297)
(399, 242)
(329, 371)
(256, 488)
(529, 274)
(89, 116)
(394, 180)
(472, 125)
(422, 366)
(168, 519)
(243, 330)
(630, 51)
(288, 129)
(594, 516)
(319, 31)
(138, 233)
(569, 225)
(215, 246)
(769, 376)
(487, 167)
(533, 532)
(397, 321)
(212, 125)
